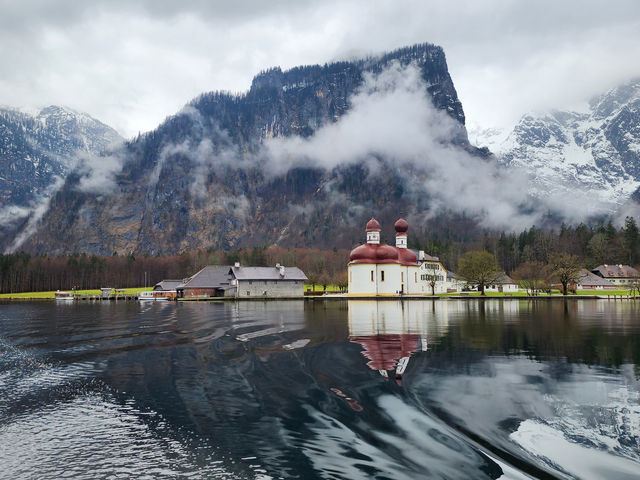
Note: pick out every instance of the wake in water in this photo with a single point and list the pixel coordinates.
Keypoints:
(60, 422)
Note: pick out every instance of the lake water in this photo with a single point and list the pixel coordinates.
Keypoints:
(465, 389)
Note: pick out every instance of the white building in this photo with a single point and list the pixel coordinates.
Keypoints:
(432, 274)
(383, 270)
(623, 276)
(455, 283)
(504, 283)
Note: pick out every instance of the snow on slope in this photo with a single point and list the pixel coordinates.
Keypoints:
(590, 160)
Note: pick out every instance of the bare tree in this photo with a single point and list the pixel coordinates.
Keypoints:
(565, 268)
(530, 276)
(479, 268)
(432, 279)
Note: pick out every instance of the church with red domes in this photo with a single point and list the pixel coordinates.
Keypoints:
(377, 269)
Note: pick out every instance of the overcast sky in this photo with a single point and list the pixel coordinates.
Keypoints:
(131, 63)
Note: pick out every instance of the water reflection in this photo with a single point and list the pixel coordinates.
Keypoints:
(351, 389)
(390, 331)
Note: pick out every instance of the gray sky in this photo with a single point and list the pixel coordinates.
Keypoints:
(131, 63)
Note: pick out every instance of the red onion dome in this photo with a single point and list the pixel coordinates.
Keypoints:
(368, 253)
(401, 226)
(407, 257)
(373, 225)
(363, 253)
(386, 253)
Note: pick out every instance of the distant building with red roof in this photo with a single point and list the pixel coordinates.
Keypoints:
(623, 276)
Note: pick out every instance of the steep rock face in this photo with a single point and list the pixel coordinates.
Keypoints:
(198, 180)
(35, 150)
(595, 152)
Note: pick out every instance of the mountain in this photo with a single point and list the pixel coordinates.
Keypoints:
(37, 151)
(242, 170)
(593, 155)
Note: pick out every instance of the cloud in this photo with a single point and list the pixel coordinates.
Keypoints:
(98, 172)
(34, 211)
(392, 118)
(131, 63)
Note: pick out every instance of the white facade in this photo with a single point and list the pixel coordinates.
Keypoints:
(433, 271)
(502, 287)
(383, 270)
(384, 279)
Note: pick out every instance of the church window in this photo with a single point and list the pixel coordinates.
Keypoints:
(372, 275)
(382, 275)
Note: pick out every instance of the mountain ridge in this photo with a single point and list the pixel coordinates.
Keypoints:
(198, 181)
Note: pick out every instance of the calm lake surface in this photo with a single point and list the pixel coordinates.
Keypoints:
(327, 389)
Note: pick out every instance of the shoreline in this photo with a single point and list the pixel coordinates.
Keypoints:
(337, 297)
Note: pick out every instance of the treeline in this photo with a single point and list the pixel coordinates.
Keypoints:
(21, 272)
(594, 245)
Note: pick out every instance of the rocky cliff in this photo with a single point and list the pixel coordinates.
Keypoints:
(243, 170)
(37, 151)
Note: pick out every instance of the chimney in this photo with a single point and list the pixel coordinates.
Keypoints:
(281, 268)
(237, 264)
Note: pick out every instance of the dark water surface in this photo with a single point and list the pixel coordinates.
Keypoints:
(339, 389)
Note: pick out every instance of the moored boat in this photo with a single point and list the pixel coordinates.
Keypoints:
(64, 296)
(158, 295)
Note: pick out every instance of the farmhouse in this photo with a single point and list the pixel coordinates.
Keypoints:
(237, 281)
(379, 269)
(278, 281)
(620, 275)
(504, 283)
(591, 281)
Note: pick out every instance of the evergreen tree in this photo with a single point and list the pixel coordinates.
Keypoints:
(631, 239)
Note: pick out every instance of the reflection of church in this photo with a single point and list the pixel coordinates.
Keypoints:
(389, 332)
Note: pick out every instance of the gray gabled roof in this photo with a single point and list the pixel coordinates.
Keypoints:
(210, 277)
(504, 279)
(268, 273)
(167, 285)
(453, 276)
(585, 277)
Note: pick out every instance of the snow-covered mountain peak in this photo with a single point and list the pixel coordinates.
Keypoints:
(614, 100)
(593, 154)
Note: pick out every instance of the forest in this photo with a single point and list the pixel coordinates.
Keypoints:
(601, 243)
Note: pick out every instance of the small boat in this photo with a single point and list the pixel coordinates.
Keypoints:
(165, 294)
(64, 296)
(144, 296)
(158, 295)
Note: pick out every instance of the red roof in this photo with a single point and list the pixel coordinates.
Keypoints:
(401, 226)
(373, 225)
(373, 253)
(384, 350)
(407, 257)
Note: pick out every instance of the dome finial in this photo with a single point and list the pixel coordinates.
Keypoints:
(373, 232)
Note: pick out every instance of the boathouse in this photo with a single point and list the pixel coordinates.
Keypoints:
(237, 281)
